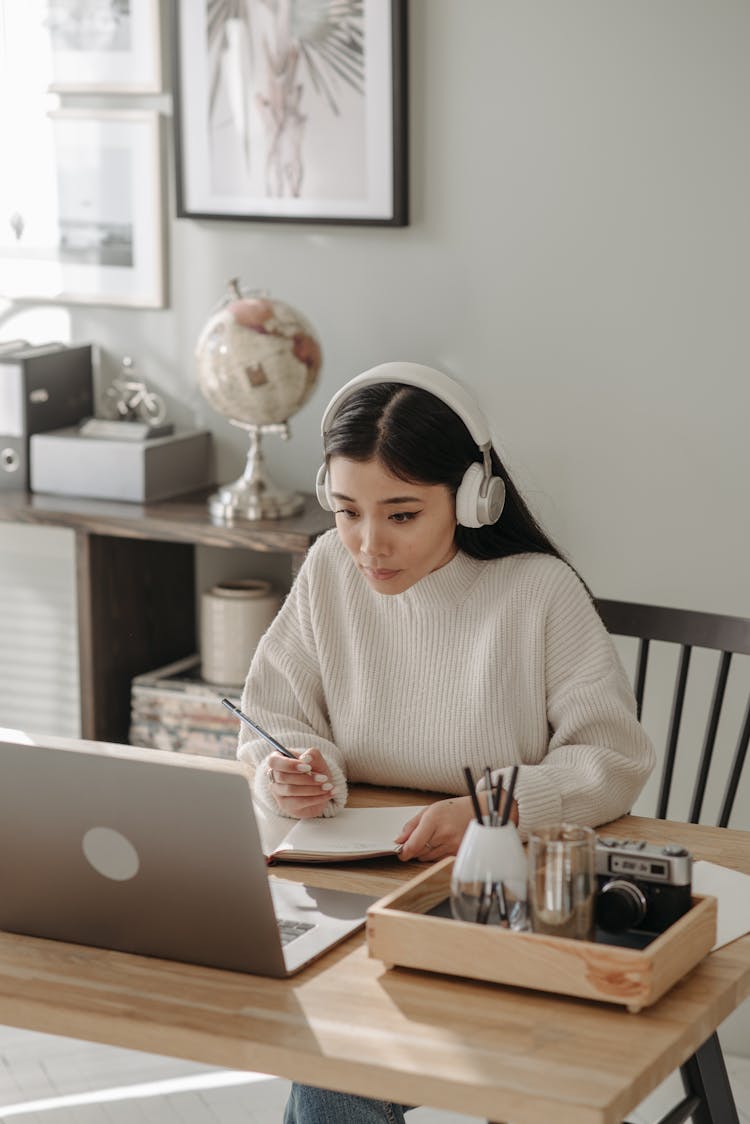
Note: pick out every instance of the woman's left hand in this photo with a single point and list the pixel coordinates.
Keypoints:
(437, 831)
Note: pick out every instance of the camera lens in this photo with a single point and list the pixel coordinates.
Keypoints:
(620, 905)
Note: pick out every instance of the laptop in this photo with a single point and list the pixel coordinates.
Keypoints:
(153, 853)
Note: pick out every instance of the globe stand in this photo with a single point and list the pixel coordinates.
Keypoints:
(254, 496)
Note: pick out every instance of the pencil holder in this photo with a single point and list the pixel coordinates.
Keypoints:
(489, 879)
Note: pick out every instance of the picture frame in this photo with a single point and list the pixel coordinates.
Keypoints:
(98, 47)
(87, 212)
(300, 121)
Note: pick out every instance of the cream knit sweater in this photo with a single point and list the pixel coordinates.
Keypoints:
(480, 663)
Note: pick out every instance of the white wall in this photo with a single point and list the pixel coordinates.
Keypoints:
(578, 252)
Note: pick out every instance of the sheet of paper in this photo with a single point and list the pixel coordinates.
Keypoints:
(352, 831)
(271, 828)
(731, 888)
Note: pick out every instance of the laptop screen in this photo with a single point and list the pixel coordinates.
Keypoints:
(134, 850)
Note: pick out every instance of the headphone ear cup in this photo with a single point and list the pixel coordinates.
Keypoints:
(322, 489)
(491, 505)
(474, 509)
(467, 496)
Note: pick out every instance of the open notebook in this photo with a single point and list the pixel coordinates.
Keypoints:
(355, 833)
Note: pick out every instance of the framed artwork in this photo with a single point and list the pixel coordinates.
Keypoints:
(82, 215)
(103, 46)
(293, 112)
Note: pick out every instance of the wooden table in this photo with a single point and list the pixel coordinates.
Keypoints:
(348, 1023)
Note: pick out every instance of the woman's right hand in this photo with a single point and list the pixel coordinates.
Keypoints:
(301, 787)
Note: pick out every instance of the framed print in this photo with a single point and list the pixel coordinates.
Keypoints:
(82, 212)
(293, 112)
(103, 46)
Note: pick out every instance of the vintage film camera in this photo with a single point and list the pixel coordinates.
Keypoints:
(642, 887)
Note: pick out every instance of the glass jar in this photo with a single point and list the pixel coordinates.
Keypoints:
(562, 881)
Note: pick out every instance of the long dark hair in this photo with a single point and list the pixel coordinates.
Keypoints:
(419, 439)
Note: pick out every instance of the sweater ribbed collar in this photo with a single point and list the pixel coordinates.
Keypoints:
(450, 585)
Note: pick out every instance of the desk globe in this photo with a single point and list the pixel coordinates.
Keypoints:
(258, 361)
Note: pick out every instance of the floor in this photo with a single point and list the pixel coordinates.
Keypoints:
(50, 1080)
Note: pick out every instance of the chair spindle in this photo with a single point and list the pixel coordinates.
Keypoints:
(737, 766)
(674, 730)
(710, 738)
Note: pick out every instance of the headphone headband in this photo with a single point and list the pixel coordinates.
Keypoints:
(480, 495)
(426, 378)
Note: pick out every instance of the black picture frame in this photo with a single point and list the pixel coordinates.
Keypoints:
(326, 143)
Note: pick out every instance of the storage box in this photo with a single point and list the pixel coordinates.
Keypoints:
(400, 932)
(41, 388)
(173, 708)
(65, 463)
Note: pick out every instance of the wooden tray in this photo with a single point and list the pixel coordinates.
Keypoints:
(399, 933)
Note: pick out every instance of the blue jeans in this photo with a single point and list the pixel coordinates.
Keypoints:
(308, 1105)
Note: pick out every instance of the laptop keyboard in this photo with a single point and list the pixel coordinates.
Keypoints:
(290, 930)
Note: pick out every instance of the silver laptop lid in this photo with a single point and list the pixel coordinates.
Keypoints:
(118, 848)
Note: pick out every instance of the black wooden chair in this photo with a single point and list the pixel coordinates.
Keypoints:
(726, 635)
(708, 1097)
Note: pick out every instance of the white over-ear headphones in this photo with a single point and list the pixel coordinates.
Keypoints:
(480, 496)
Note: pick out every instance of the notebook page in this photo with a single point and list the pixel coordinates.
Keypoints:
(352, 831)
(271, 828)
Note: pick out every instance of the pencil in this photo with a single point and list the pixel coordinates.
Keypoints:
(473, 794)
(491, 809)
(509, 796)
(499, 793)
(253, 726)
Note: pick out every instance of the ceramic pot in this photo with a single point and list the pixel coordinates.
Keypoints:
(234, 616)
(489, 879)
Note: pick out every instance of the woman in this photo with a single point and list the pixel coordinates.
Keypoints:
(436, 627)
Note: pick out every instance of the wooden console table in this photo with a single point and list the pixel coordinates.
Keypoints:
(135, 578)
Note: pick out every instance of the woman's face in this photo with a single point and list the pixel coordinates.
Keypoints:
(396, 532)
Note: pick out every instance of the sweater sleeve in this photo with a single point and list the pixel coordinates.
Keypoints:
(599, 756)
(284, 694)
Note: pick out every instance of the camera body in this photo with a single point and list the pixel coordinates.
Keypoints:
(641, 887)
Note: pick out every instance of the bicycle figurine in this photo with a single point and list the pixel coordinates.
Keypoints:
(131, 399)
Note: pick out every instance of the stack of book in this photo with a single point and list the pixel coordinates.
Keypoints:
(173, 708)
